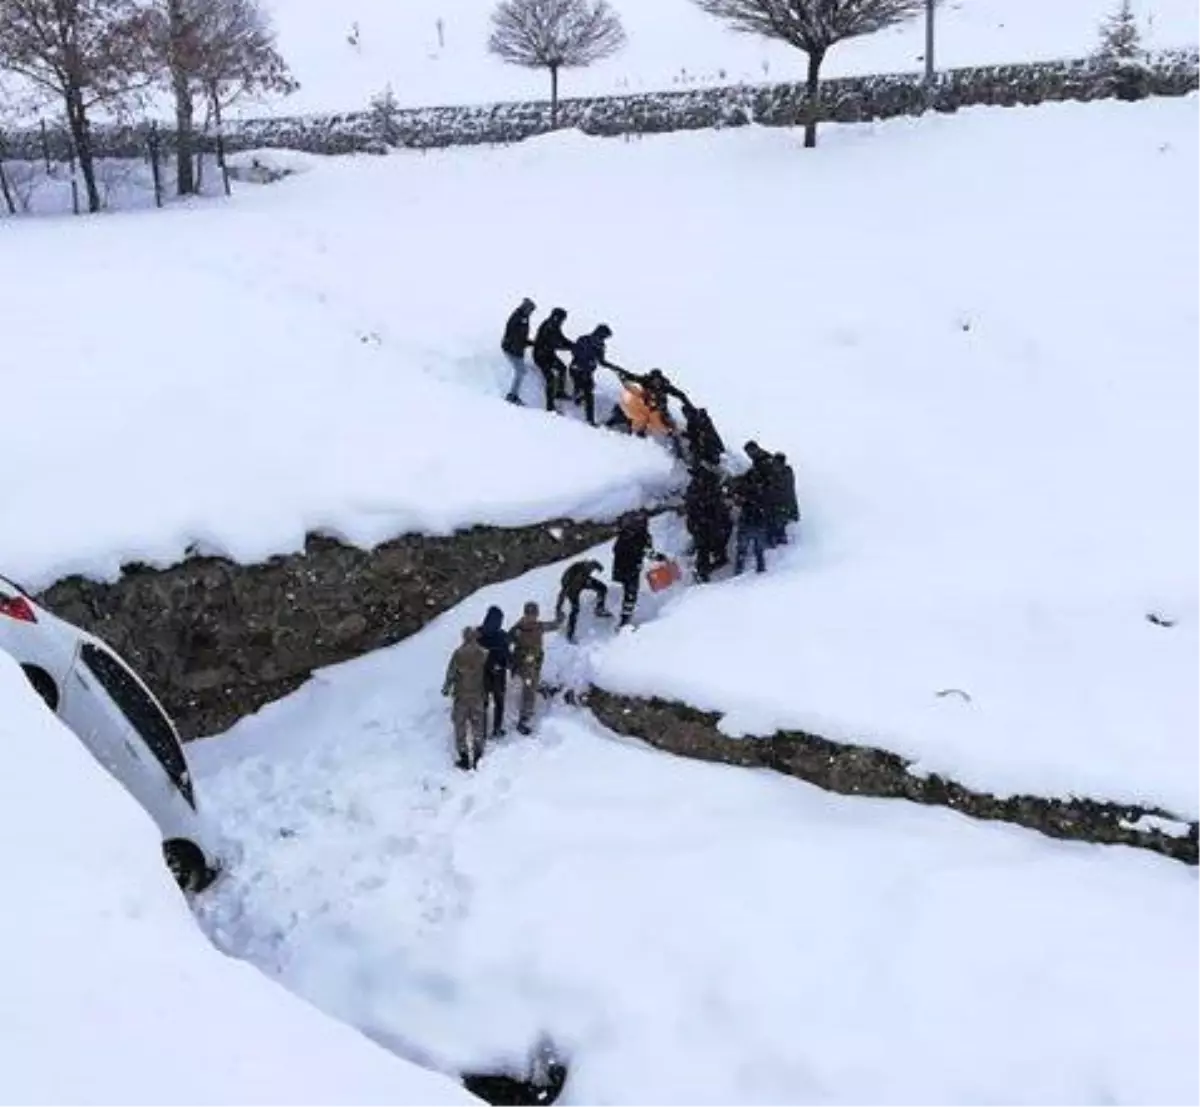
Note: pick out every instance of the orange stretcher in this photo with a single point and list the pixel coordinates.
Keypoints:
(663, 575)
(642, 415)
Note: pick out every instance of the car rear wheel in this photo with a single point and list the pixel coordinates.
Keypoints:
(43, 685)
(188, 865)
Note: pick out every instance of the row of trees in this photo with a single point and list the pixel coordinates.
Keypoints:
(112, 55)
(562, 34)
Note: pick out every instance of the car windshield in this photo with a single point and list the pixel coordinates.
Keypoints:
(143, 713)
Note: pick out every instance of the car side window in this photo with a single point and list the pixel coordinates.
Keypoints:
(142, 712)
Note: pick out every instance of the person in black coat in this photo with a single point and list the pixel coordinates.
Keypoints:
(709, 521)
(774, 498)
(590, 351)
(494, 638)
(630, 549)
(754, 497)
(514, 344)
(547, 343)
(789, 505)
(704, 442)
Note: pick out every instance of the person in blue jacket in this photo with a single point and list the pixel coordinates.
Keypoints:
(494, 638)
(589, 356)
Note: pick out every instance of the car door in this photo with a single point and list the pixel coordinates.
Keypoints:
(91, 708)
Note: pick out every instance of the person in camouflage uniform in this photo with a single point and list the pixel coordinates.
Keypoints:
(528, 653)
(464, 682)
(577, 579)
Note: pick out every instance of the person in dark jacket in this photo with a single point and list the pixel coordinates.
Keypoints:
(632, 545)
(590, 354)
(753, 493)
(789, 505)
(494, 638)
(704, 443)
(515, 343)
(708, 521)
(547, 343)
(763, 465)
(579, 578)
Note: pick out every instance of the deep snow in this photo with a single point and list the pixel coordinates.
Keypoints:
(111, 992)
(671, 45)
(688, 933)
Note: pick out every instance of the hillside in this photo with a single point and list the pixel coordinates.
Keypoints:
(672, 44)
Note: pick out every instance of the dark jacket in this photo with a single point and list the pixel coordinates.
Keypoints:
(754, 496)
(629, 551)
(494, 638)
(516, 333)
(589, 353)
(702, 436)
(576, 577)
(548, 341)
(707, 513)
(789, 505)
(658, 390)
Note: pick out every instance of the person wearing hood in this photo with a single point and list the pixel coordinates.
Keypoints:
(547, 343)
(704, 442)
(709, 521)
(789, 504)
(590, 354)
(579, 577)
(494, 638)
(768, 490)
(515, 343)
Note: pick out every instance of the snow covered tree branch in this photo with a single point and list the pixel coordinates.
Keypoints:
(813, 26)
(554, 35)
(1121, 55)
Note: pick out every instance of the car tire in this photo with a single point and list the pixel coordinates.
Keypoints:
(188, 865)
(43, 685)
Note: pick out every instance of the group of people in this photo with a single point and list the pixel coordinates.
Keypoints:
(478, 670)
(644, 406)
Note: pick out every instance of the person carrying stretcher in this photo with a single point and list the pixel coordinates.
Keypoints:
(645, 403)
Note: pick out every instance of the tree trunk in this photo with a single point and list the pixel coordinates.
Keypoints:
(812, 92)
(81, 139)
(177, 33)
(185, 134)
(553, 97)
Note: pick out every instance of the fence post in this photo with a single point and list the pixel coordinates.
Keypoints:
(45, 146)
(221, 146)
(5, 191)
(152, 143)
(74, 174)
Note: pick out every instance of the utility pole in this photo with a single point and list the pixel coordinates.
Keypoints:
(929, 6)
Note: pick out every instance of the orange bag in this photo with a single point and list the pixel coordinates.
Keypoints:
(663, 575)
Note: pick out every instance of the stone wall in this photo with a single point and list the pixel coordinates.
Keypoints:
(865, 771)
(216, 640)
(845, 99)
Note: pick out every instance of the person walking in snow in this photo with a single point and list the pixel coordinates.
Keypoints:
(772, 494)
(590, 354)
(704, 443)
(789, 505)
(494, 638)
(527, 635)
(464, 683)
(753, 494)
(709, 521)
(576, 579)
(547, 343)
(653, 392)
(514, 344)
(632, 545)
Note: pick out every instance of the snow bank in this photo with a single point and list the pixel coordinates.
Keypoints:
(187, 403)
(672, 45)
(111, 993)
(690, 933)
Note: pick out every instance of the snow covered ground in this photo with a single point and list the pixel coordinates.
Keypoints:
(688, 933)
(111, 993)
(221, 403)
(672, 45)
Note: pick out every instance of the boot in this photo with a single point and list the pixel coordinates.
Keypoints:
(463, 762)
(524, 728)
(602, 612)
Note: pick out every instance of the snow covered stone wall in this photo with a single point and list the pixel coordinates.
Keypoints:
(864, 771)
(843, 99)
(217, 640)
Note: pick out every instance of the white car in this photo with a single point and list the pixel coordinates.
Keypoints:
(117, 718)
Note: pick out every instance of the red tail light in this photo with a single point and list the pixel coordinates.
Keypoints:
(17, 607)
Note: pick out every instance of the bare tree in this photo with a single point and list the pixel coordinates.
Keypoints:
(813, 26)
(84, 52)
(217, 50)
(554, 35)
